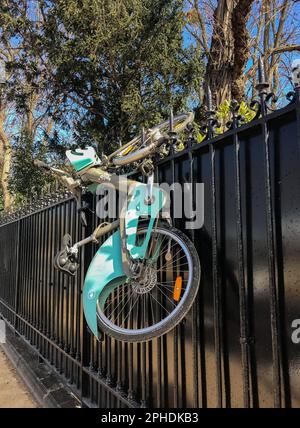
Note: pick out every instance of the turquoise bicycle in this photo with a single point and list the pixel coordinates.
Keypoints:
(144, 278)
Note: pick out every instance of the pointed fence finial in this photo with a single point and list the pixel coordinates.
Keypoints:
(171, 120)
(209, 101)
(262, 80)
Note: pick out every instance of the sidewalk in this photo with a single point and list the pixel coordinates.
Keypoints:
(13, 392)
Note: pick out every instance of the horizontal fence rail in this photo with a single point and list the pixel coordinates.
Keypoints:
(234, 349)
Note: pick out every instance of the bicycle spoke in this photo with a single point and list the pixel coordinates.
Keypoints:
(166, 297)
(113, 298)
(159, 303)
(170, 282)
(169, 286)
(147, 301)
(120, 304)
(151, 304)
(168, 264)
(166, 249)
(130, 310)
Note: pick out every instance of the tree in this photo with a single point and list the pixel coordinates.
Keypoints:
(26, 106)
(87, 71)
(225, 42)
(275, 34)
(233, 33)
(6, 53)
(5, 157)
(229, 50)
(117, 65)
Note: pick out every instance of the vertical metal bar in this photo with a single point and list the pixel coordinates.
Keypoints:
(275, 331)
(59, 219)
(25, 273)
(35, 279)
(29, 261)
(130, 371)
(195, 306)
(16, 308)
(45, 280)
(23, 276)
(216, 292)
(32, 278)
(79, 316)
(67, 297)
(159, 346)
(48, 280)
(143, 377)
(52, 284)
(86, 337)
(119, 366)
(176, 329)
(244, 329)
(22, 294)
(62, 298)
(38, 283)
(72, 297)
(215, 261)
(42, 278)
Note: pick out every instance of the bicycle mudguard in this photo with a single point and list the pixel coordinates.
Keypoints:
(105, 270)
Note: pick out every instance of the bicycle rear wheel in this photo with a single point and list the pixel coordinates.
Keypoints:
(137, 149)
(140, 310)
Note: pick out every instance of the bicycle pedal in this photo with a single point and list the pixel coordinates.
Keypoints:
(66, 263)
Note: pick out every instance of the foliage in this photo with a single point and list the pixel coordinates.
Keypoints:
(224, 115)
(118, 64)
(87, 71)
(92, 72)
(25, 178)
(233, 33)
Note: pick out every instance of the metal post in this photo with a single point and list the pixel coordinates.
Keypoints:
(244, 339)
(262, 88)
(211, 121)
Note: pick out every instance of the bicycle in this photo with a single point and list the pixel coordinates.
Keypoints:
(145, 277)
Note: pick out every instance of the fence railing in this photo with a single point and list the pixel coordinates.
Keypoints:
(234, 348)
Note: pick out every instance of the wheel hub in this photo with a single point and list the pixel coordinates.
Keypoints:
(147, 281)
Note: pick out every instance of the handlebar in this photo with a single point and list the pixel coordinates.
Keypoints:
(56, 171)
(66, 179)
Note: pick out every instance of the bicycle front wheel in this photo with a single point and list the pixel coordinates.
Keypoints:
(137, 310)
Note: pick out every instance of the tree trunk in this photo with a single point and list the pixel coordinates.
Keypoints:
(241, 47)
(5, 154)
(221, 55)
(229, 50)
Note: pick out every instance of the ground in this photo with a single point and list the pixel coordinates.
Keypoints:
(13, 392)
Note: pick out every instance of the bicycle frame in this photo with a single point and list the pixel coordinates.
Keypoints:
(115, 257)
(122, 258)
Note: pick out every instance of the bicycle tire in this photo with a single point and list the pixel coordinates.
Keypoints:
(157, 330)
(119, 159)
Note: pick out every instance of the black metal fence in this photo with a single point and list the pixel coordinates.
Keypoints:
(234, 348)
